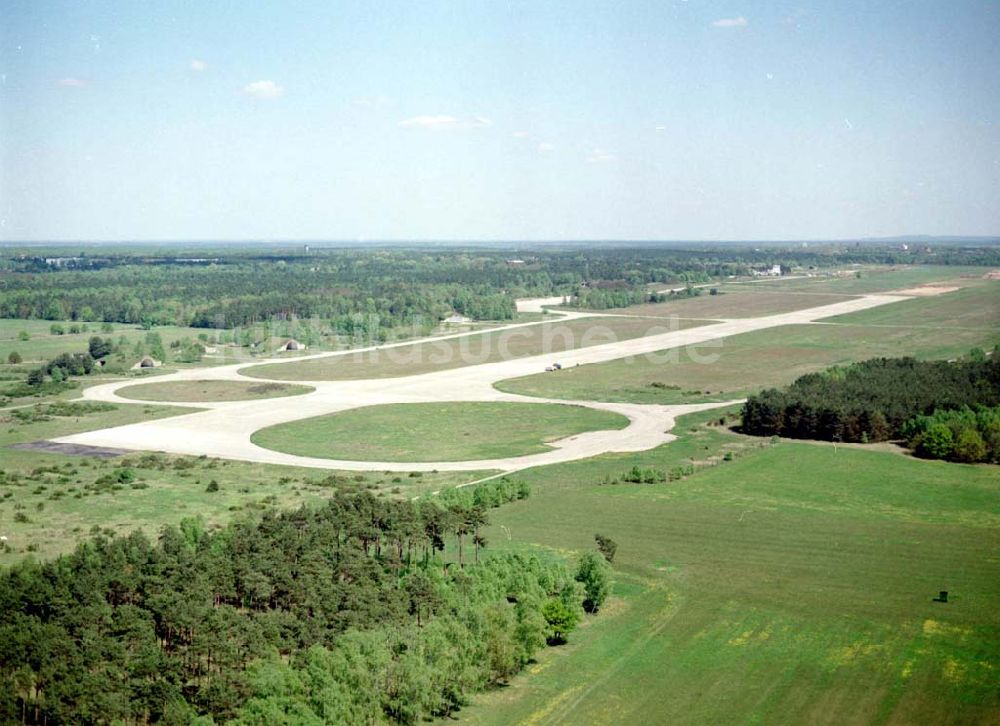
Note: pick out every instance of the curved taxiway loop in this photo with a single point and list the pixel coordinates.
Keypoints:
(223, 429)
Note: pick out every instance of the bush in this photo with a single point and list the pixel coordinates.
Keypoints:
(14, 357)
(595, 576)
(607, 547)
(937, 442)
(560, 620)
(970, 447)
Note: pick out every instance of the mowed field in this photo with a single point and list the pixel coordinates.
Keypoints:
(794, 584)
(435, 431)
(551, 337)
(735, 303)
(976, 306)
(195, 391)
(944, 326)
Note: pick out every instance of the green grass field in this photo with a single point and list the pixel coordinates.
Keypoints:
(793, 584)
(435, 431)
(43, 346)
(973, 307)
(194, 391)
(469, 350)
(746, 363)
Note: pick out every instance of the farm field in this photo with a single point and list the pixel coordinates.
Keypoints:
(435, 431)
(745, 363)
(194, 391)
(797, 579)
(430, 356)
(735, 303)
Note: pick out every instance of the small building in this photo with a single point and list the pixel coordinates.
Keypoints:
(456, 319)
(774, 271)
(148, 362)
(291, 344)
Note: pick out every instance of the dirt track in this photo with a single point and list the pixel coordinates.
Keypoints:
(224, 429)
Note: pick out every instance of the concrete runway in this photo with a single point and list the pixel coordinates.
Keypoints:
(223, 429)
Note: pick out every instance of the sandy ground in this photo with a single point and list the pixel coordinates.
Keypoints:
(224, 429)
(927, 290)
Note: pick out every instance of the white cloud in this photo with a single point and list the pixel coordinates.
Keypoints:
(432, 123)
(545, 147)
(71, 82)
(600, 156)
(739, 22)
(377, 101)
(443, 122)
(199, 65)
(264, 90)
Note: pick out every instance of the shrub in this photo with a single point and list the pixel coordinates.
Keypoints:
(560, 620)
(937, 442)
(607, 547)
(970, 447)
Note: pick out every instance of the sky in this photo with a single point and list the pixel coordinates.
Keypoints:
(463, 120)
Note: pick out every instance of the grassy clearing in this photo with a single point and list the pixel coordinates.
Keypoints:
(975, 306)
(435, 431)
(194, 391)
(551, 337)
(797, 579)
(746, 363)
(737, 303)
(62, 501)
(43, 346)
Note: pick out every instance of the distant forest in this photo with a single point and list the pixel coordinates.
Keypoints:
(341, 613)
(873, 400)
(351, 287)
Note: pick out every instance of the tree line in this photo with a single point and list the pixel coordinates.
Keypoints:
(872, 400)
(229, 288)
(347, 612)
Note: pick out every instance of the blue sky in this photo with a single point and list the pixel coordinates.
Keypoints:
(483, 121)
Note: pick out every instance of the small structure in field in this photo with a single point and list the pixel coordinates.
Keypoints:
(774, 271)
(148, 362)
(456, 319)
(291, 344)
